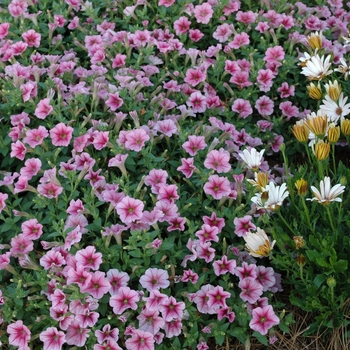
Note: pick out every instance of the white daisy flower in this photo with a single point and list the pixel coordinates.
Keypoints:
(326, 195)
(335, 110)
(252, 158)
(272, 198)
(258, 244)
(316, 68)
(343, 68)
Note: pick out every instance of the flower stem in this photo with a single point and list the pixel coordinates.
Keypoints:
(330, 219)
(285, 222)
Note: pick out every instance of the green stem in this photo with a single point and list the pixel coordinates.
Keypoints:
(330, 219)
(307, 213)
(285, 222)
(301, 272)
(333, 159)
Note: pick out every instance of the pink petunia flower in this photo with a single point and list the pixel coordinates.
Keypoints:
(187, 167)
(21, 245)
(285, 90)
(155, 300)
(217, 297)
(201, 300)
(114, 101)
(217, 186)
(107, 334)
(240, 40)
(194, 144)
(197, 102)
(140, 340)
(223, 32)
(171, 309)
(4, 29)
(265, 276)
(150, 321)
(264, 106)
(194, 76)
(263, 319)
(241, 79)
(89, 258)
(32, 38)
(246, 271)
(242, 107)
(61, 134)
(221, 267)
(218, 160)
(265, 79)
(18, 150)
(289, 110)
(76, 335)
(129, 209)
(35, 137)
(251, 290)
(203, 13)
(195, 35)
(135, 139)
(246, 17)
(182, 25)
(43, 109)
(52, 338)
(154, 278)
(117, 280)
(19, 335)
(207, 233)
(243, 225)
(124, 299)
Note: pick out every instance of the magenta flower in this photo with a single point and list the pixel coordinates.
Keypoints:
(213, 220)
(198, 102)
(52, 338)
(109, 345)
(18, 150)
(107, 334)
(150, 321)
(21, 245)
(182, 25)
(156, 178)
(129, 209)
(243, 225)
(266, 277)
(155, 299)
(31, 168)
(49, 190)
(155, 279)
(241, 79)
(264, 106)
(19, 335)
(168, 193)
(218, 160)
(203, 13)
(76, 335)
(32, 38)
(201, 300)
(205, 251)
(89, 258)
(246, 271)
(242, 107)
(285, 90)
(187, 167)
(195, 35)
(217, 297)
(246, 17)
(124, 299)
(194, 144)
(189, 275)
(226, 312)
(43, 109)
(97, 286)
(288, 109)
(101, 139)
(140, 340)
(239, 40)
(251, 290)
(135, 139)
(52, 259)
(3, 197)
(217, 186)
(171, 309)
(223, 266)
(117, 280)
(265, 79)
(4, 29)
(114, 101)
(223, 32)
(61, 134)
(263, 319)
(207, 233)
(194, 76)
(274, 54)
(173, 328)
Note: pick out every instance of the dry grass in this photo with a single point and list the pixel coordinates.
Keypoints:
(297, 340)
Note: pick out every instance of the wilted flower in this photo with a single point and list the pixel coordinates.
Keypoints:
(301, 186)
(258, 244)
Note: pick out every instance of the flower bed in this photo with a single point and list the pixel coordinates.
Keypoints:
(169, 169)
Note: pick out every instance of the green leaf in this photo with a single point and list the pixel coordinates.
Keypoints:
(262, 338)
(340, 266)
(319, 279)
